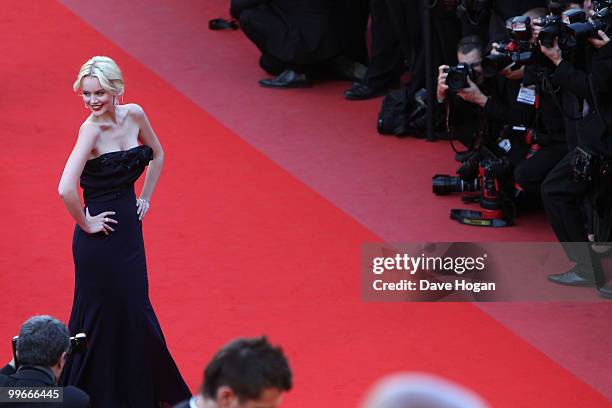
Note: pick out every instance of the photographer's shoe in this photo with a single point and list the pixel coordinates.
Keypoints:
(606, 291)
(287, 79)
(362, 91)
(573, 277)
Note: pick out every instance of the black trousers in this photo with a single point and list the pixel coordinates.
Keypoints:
(276, 40)
(530, 173)
(282, 43)
(386, 59)
(563, 198)
(407, 18)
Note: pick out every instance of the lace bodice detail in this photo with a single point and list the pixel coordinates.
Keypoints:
(114, 171)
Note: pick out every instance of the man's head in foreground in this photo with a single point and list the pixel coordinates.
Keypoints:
(246, 373)
(43, 342)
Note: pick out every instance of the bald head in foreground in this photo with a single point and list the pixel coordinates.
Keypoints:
(417, 390)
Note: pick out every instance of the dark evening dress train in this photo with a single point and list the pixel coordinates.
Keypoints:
(127, 363)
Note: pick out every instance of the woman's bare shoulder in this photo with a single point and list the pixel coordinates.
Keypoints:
(89, 128)
(135, 110)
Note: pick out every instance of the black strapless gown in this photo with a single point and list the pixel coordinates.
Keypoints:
(127, 363)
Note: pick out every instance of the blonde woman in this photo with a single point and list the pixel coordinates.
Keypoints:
(127, 363)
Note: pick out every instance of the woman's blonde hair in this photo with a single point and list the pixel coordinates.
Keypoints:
(107, 72)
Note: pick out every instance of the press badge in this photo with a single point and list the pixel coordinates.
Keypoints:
(527, 95)
(505, 145)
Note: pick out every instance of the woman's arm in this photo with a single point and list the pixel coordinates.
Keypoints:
(68, 190)
(147, 136)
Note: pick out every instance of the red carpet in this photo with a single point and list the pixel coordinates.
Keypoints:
(332, 146)
(236, 245)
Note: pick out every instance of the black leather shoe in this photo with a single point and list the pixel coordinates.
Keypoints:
(573, 277)
(287, 79)
(606, 291)
(361, 91)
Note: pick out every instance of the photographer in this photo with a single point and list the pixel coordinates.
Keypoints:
(41, 351)
(482, 103)
(567, 185)
(475, 110)
(302, 38)
(529, 107)
(464, 96)
(545, 138)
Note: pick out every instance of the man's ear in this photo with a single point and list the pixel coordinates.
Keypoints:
(62, 361)
(225, 396)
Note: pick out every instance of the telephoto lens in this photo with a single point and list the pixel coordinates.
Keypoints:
(443, 184)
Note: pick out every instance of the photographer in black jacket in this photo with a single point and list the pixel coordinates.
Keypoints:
(41, 350)
(475, 110)
(519, 99)
(482, 99)
(563, 193)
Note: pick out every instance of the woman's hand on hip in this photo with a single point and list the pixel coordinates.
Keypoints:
(100, 222)
(142, 207)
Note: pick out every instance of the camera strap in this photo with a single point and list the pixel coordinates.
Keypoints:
(476, 143)
(476, 218)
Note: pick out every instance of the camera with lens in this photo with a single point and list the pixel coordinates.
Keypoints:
(457, 78)
(590, 166)
(556, 27)
(601, 20)
(466, 182)
(485, 187)
(600, 5)
(519, 50)
(444, 184)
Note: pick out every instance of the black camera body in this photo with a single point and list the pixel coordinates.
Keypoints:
(519, 53)
(78, 343)
(519, 50)
(470, 175)
(457, 78)
(600, 5)
(485, 188)
(555, 27)
(590, 166)
(602, 20)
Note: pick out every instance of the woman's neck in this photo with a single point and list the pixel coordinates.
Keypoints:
(109, 118)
